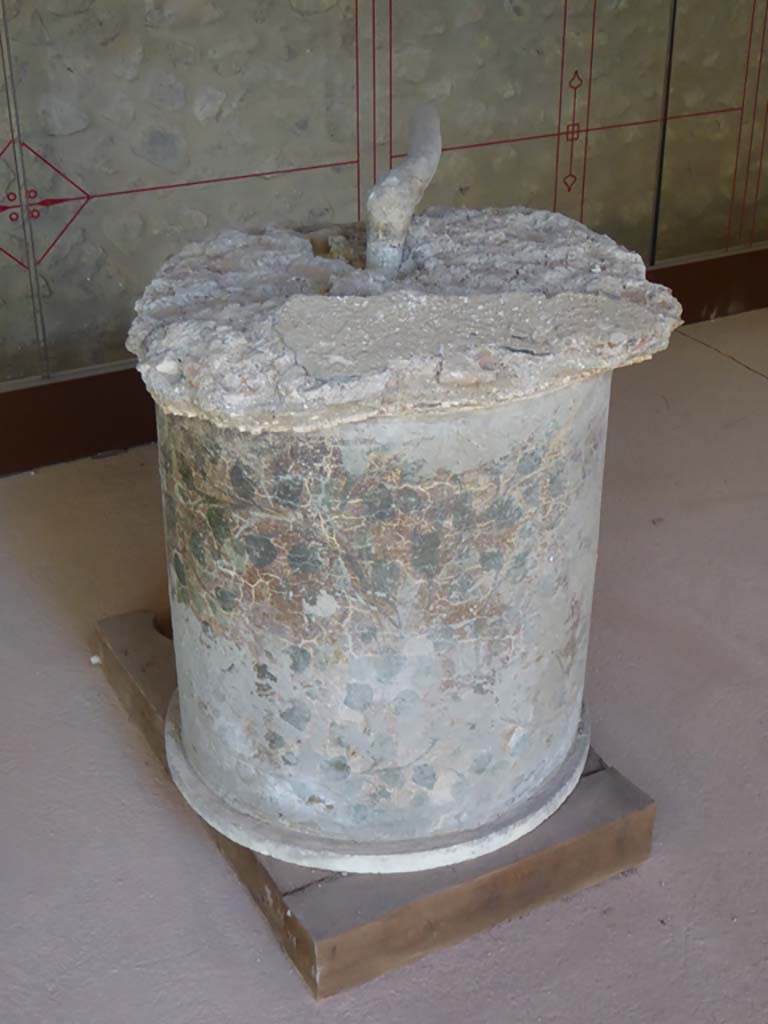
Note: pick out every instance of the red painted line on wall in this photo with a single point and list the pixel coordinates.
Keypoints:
(741, 125)
(490, 142)
(560, 105)
(659, 120)
(217, 181)
(12, 257)
(357, 101)
(589, 110)
(69, 222)
(587, 130)
(373, 83)
(759, 176)
(54, 168)
(754, 118)
(391, 90)
(628, 124)
(57, 202)
(704, 113)
(594, 128)
(41, 202)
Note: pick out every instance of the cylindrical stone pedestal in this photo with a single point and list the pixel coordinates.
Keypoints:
(381, 596)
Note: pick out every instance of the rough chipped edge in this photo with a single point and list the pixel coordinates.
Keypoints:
(332, 416)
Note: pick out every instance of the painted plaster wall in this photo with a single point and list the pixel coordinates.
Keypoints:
(119, 110)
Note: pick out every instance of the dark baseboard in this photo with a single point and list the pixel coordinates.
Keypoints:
(721, 286)
(72, 419)
(112, 411)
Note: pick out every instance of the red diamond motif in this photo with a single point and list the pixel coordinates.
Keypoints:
(569, 181)
(50, 203)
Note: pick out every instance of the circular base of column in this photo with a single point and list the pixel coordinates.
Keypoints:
(311, 850)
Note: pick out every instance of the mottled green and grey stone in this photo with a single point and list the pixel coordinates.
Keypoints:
(383, 637)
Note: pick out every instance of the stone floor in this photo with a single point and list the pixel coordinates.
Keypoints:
(115, 908)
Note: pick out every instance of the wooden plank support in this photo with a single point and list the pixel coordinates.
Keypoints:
(342, 930)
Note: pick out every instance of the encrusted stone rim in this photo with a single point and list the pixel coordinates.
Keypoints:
(258, 333)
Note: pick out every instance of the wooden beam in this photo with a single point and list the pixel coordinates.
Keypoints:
(72, 419)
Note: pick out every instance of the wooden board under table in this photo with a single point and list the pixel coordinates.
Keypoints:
(341, 930)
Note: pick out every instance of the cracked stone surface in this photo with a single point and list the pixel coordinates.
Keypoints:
(257, 332)
(381, 627)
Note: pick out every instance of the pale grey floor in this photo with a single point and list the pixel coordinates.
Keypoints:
(116, 909)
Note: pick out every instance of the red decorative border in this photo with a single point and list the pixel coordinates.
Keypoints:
(31, 204)
(573, 131)
(579, 125)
